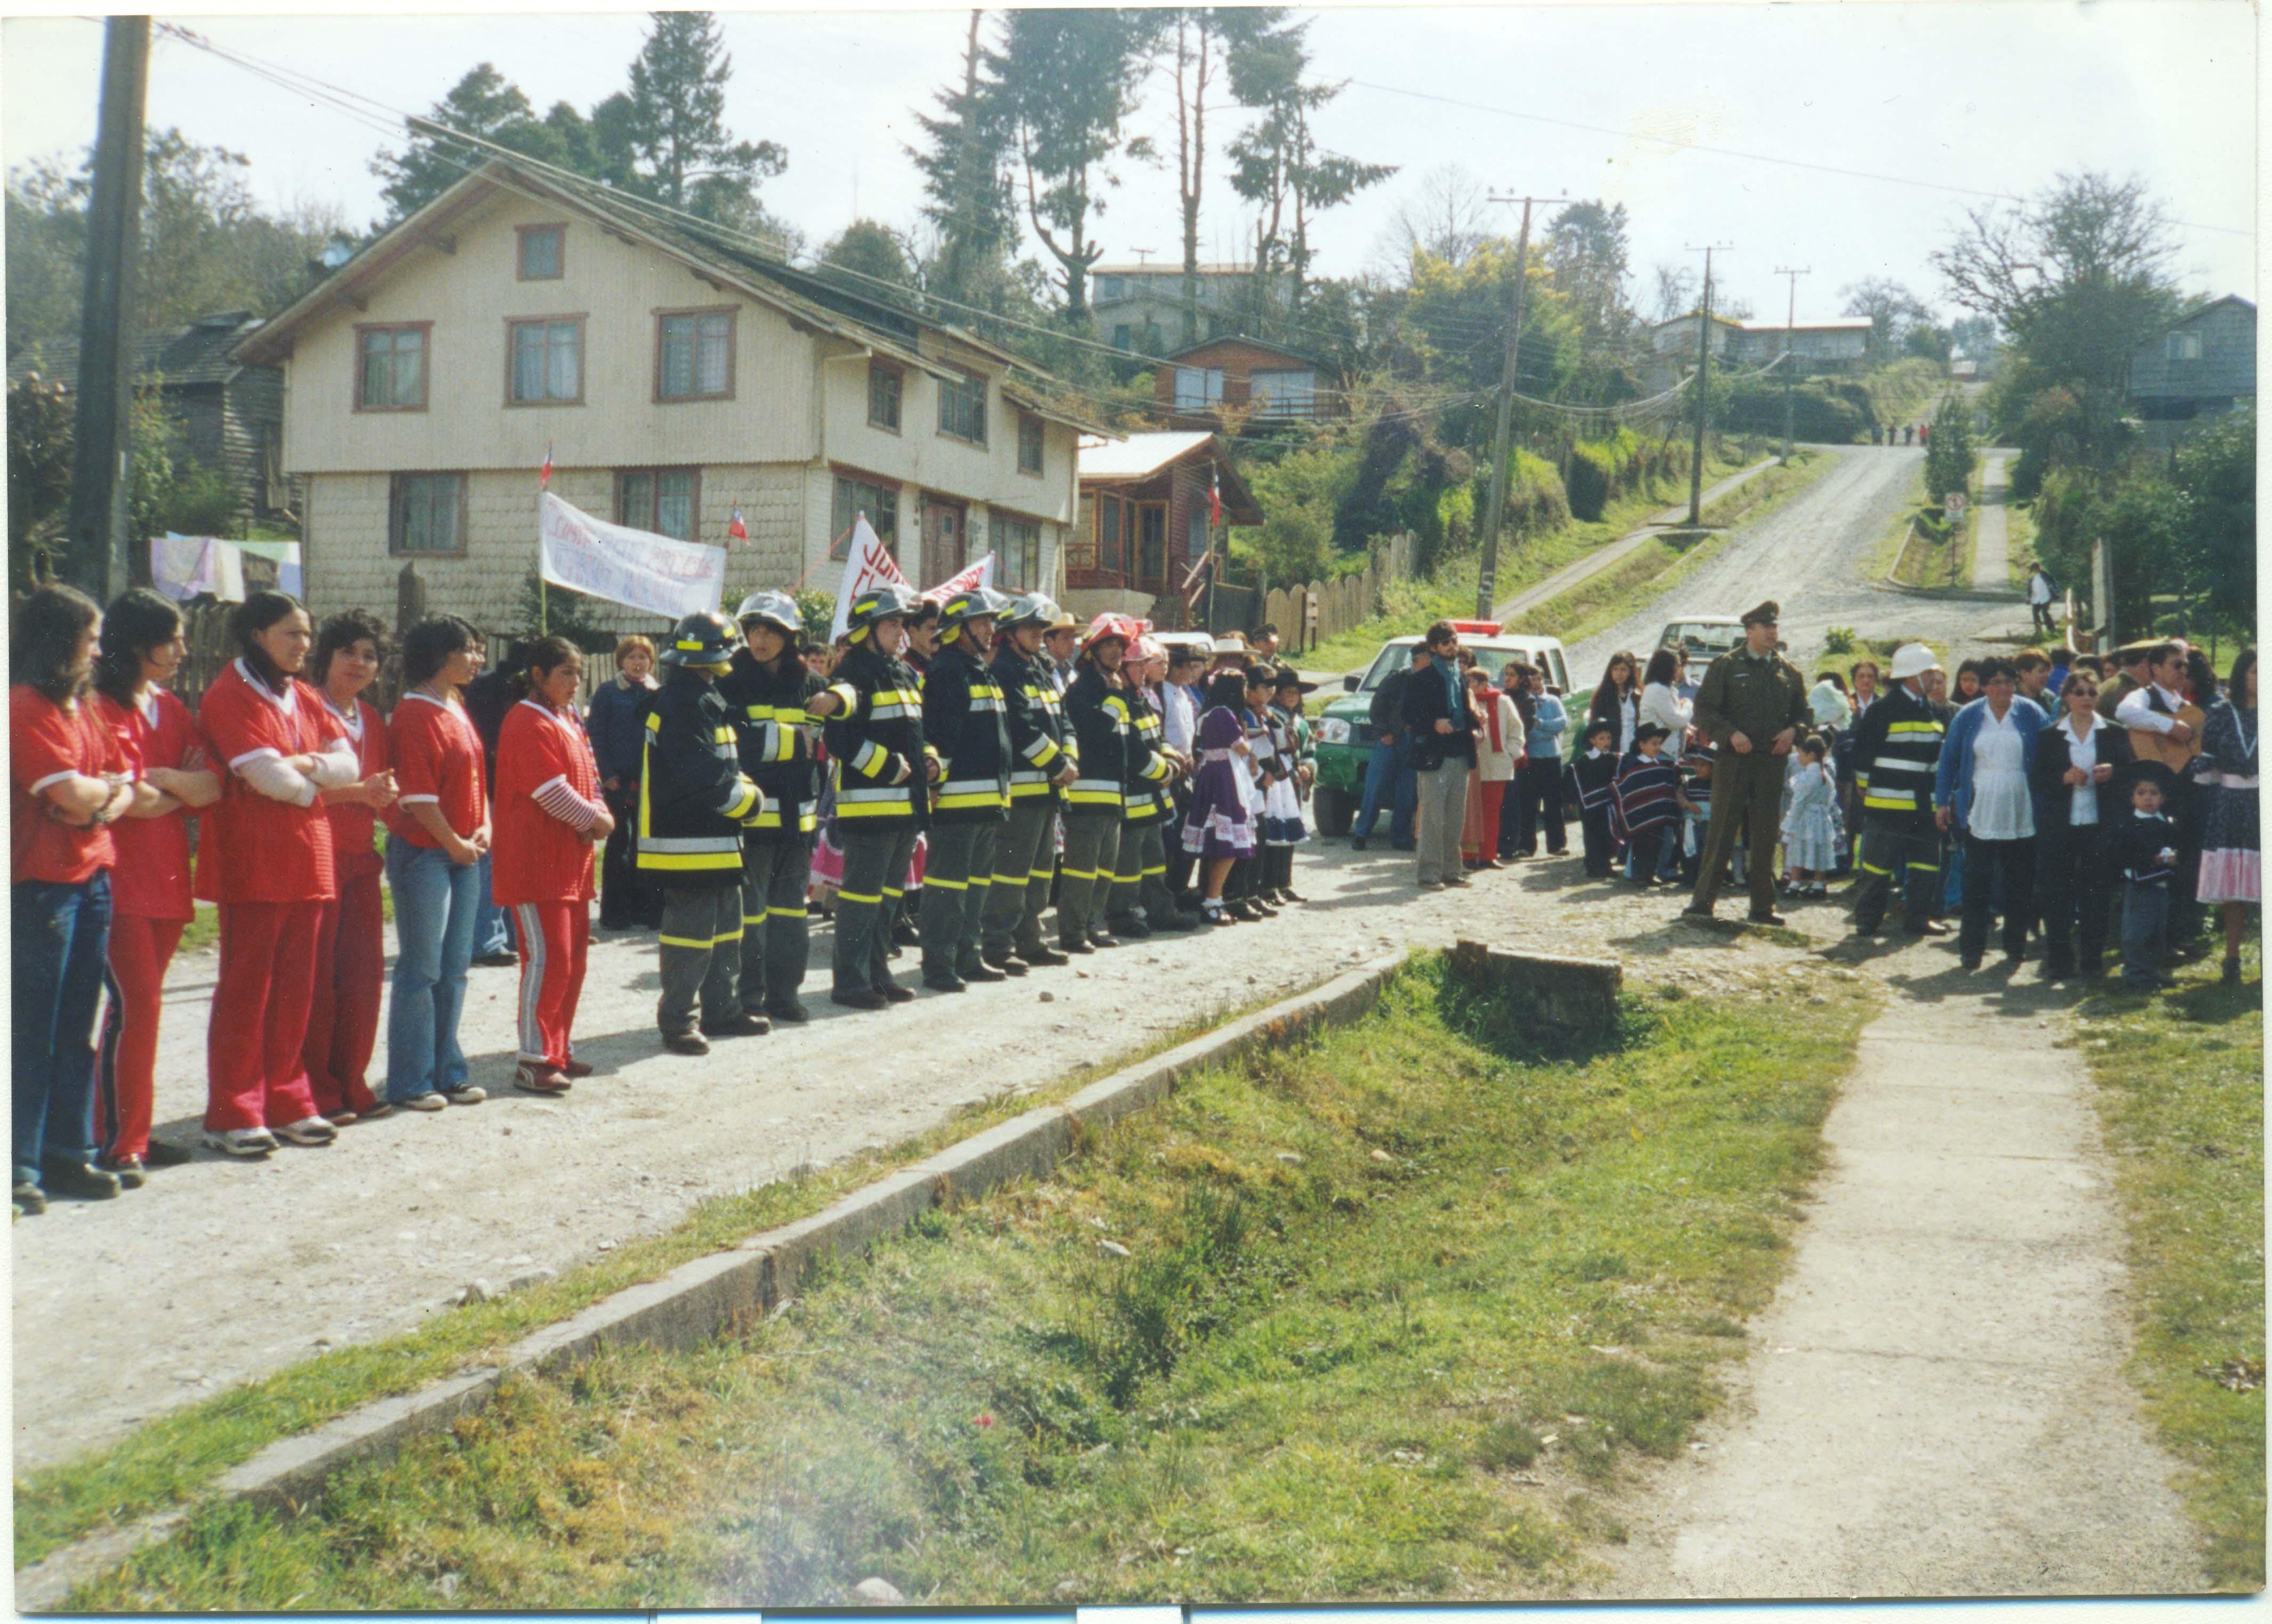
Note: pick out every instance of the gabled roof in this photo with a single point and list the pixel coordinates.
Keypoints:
(1725, 321)
(1221, 267)
(819, 304)
(1238, 338)
(1139, 457)
(1836, 324)
(2200, 310)
(185, 355)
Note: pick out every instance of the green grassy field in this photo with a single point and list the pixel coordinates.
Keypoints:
(1387, 1316)
(2180, 1094)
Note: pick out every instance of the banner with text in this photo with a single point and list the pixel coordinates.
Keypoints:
(979, 574)
(185, 566)
(868, 563)
(632, 567)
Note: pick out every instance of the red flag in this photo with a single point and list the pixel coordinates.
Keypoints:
(735, 527)
(1214, 498)
(544, 474)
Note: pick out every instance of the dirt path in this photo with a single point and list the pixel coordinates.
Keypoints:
(1991, 551)
(1935, 1404)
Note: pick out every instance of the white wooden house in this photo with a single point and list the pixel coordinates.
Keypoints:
(675, 376)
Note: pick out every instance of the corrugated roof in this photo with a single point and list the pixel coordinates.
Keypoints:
(1138, 455)
(1836, 324)
(194, 354)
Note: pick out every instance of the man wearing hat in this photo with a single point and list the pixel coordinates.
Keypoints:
(1896, 759)
(694, 799)
(1752, 706)
(965, 721)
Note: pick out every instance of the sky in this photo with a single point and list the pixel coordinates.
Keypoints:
(1926, 106)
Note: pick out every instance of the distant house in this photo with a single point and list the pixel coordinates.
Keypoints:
(231, 413)
(1816, 345)
(1193, 387)
(1140, 308)
(1144, 519)
(674, 379)
(2199, 367)
(1678, 336)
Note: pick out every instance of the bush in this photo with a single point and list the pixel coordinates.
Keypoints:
(1839, 640)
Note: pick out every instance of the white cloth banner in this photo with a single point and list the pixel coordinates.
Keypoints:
(635, 568)
(979, 574)
(869, 564)
(184, 567)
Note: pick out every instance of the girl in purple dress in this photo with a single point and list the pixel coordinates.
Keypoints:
(1218, 829)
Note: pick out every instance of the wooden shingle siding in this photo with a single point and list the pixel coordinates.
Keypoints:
(2226, 370)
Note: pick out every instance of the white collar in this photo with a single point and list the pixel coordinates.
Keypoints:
(2174, 698)
(288, 701)
(556, 718)
(428, 699)
(351, 718)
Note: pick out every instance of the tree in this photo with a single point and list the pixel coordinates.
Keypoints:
(1675, 293)
(1949, 454)
(2077, 279)
(1447, 213)
(872, 252)
(681, 152)
(483, 103)
(1586, 256)
(965, 162)
(1893, 310)
(1067, 80)
(1205, 37)
(2215, 469)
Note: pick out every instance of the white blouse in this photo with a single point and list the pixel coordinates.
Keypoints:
(2000, 807)
(2083, 753)
(1663, 707)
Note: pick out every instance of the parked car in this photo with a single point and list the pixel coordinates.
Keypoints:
(1345, 738)
(1702, 637)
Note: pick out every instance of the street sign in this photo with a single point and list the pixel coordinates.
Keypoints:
(1953, 504)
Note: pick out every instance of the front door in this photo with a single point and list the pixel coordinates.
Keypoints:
(943, 539)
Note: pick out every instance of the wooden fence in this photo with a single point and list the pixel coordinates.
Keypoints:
(1306, 614)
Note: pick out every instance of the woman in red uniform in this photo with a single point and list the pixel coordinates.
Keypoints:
(264, 855)
(351, 937)
(150, 901)
(548, 812)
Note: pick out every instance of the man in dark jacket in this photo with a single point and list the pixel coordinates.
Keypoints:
(766, 691)
(965, 720)
(693, 800)
(1896, 757)
(1044, 763)
(1388, 768)
(1443, 727)
(1752, 706)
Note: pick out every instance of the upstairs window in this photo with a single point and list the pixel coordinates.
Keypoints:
(884, 386)
(1029, 444)
(541, 256)
(1287, 391)
(1197, 388)
(2184, 347)
(391, 369)
(695, 356)
(963, 408)
(548, 361)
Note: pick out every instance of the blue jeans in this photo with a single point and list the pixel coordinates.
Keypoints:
(435, 904)
(1388, 778)
(2145, 933)
(493, 926)
(61, 936)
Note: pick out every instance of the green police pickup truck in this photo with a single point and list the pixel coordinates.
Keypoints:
(1345, 735)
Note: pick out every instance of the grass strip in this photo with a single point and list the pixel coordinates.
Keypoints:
(1663, 562)
(2179, 1081)
(168, 1460)
(1387, 1314)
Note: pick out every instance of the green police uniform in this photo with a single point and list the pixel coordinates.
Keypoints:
(1758, 696)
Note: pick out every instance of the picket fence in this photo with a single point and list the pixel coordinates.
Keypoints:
(1306, 614)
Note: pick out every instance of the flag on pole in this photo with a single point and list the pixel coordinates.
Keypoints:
(735, 529)
(1214, 496)
(868, 563)
(544, 474)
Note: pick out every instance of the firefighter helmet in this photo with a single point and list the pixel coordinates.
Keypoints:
(1031, 609)
(777, 609)
(700, 639)
(878, 603)
(976, 604)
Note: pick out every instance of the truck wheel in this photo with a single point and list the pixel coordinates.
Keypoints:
(1334, 811)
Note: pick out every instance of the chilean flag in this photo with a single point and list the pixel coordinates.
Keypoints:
(1214, 498)
(544, 474)
(735, 529)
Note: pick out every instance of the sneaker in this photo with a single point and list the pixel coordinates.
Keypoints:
(1404, 845)
(1456, 880)
(162, 1154)
(1040, 954)
(685, 1042)
(788, 1010)
(467, 1094)
(1931, 927)
(858, 998)
(428, 1101)
(377, 1111)
(26, 1197)
(131, 1174)
(308, 1131)
(80, 1180)
(536, 1077)
(245, 1141)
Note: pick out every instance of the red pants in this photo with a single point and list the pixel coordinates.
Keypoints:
(554, 940)
(1479, 839)
(253, 1074)
(140, 949)
(343, 1015)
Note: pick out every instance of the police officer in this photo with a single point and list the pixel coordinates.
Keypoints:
(1042, 764)
(1897, 755)
(873, 713)
(694, 802)
(965, 721)
(1112, 756)
(1752, 706)
(765, 691)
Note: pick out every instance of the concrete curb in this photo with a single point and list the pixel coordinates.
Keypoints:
(707, 1296)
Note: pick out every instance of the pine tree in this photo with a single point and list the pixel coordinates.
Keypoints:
(483, 103)
(965, 162)
(675, 124)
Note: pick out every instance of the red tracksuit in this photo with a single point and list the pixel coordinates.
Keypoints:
(548, 792)
(150, 905)
(268, 865)
(350, 944)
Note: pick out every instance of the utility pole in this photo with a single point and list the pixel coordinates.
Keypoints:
(1703, 388)
(1790, 323)
(1495, 509)
(97, 546)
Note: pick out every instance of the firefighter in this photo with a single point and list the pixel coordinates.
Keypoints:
(1896, 754)
(1042, 766)
(694, 802)
(1142, 903)
(766, 689)
(965, 721)
(872, 710)
(1097, 802)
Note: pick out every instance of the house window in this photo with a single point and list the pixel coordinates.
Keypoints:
(695, 356)
(541, 258)
(1018, 545)
(884, 387)
(963, 408)
(1081, 542)
(1108, 290)
(1197, 388)
(548, 361)
(1029, 443)
(2184, 347)
(1151, 544)
(391, 364)
(1288, 392)
(1120, 335)
(426, 516)
(1108, 533)
(660, 501)
(880, 502)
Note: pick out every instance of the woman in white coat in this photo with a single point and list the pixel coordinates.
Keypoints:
(1498, 748)
(1661, 704)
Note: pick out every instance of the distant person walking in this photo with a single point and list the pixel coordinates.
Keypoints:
(2043, 592)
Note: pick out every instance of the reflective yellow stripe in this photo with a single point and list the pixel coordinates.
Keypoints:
(980, 881)
(1913, 727)
(684, 941)
(678, 863)
(1162, 869)
(753, 918)
(893, 891)
(1930, 868)
(722, 735)
(854, 896)
(897, 808)
(869, 759)
(729, 935)
(946, 885)
(1071, 873)
(1872, 868)
(976, 798)
(745, 798)
(784, 913)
